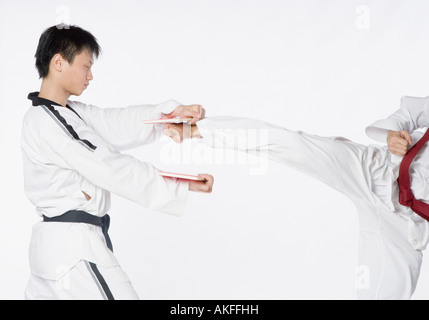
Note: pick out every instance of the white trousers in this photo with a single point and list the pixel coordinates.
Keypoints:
(389, 266)
(85, 281)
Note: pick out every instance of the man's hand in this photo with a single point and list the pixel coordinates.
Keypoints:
(205, 186)
(179, 132)
(399, 142)
(195, 111)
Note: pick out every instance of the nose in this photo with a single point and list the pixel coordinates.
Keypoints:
(89, 76)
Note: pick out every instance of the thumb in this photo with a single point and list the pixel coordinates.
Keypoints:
(406, 136)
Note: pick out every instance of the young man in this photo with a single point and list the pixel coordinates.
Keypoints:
(72, 162)
(392, 236)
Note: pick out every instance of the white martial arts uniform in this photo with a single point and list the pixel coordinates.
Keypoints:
(75, 149)
(392, 237)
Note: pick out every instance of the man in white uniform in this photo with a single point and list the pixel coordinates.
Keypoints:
(72, 162)
(392, 236)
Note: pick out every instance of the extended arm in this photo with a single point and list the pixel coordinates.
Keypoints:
(123, 128)
(105, 167)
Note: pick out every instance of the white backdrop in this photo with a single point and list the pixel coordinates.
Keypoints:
(328, 67)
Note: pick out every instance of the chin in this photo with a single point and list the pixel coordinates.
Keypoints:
(77, 93)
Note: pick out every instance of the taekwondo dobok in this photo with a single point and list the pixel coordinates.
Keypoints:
(392, 236)
(72, 162)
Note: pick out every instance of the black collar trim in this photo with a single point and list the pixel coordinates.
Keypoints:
(37, 101)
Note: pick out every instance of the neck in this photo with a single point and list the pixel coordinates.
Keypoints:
(52, 92)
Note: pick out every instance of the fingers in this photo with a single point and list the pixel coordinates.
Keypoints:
(196, 112)
(406, 136)
(398, 151)
(399, 142)
(208, 178)
(174, 131)
(179, 132)
(205, 186)
(398, 148)
(192, 114)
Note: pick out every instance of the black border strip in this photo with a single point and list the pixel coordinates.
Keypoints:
(101, 280)
(69, 127)
(70, 108)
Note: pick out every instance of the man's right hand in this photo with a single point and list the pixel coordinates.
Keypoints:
(205, 186)
(180, 131)
(399, 142)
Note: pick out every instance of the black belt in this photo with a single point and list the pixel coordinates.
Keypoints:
(77, 216)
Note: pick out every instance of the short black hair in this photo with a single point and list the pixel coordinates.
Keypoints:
(68, 41)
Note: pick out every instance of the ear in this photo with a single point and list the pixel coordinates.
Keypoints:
(57, 62)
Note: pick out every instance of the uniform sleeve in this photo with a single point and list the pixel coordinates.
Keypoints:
(111, 170)
(123, 128)
(412, 115)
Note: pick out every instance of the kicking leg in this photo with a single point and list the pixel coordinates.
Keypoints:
(336, 161)
(388, 265)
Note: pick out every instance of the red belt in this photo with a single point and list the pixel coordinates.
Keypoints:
(406, 196)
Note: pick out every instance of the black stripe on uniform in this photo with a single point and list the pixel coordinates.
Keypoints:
(70, 108)
(69, 127)
(101, 281)
(38, 101)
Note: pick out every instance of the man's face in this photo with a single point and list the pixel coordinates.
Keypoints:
(76, 76)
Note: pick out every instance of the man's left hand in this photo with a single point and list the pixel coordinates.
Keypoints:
(195, 111)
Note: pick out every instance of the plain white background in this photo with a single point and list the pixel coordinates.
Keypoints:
(329, 67)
